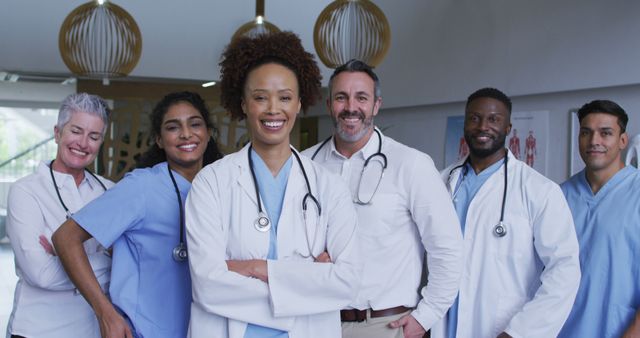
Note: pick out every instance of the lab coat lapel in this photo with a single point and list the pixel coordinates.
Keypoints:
(454, 175)
(245, 180)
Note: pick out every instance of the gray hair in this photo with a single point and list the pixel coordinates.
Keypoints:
(353, 66)
(85, 103)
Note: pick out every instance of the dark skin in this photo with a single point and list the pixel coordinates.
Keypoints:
(487, 123)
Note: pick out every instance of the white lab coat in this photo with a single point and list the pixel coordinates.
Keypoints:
(525, 282)
(302, 297)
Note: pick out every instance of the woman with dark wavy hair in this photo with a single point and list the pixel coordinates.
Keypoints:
(155, 154)
(142, 217)
(271, 236)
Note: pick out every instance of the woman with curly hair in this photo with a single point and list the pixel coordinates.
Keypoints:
(271, 236)
(142, 218)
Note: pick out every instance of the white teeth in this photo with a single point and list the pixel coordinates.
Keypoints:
(273, 124)
(188, 146)
(78, 152)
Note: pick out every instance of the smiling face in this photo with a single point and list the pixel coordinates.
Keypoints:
(486, 125)
(353, 106)
(78, 141)
(271, 103)
(183, 137)
(601, 142)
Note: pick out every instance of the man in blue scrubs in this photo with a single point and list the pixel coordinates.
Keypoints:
(605, 202)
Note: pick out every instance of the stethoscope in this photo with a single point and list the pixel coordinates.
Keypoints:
(180, 251)
(262, 222)
(55, 185)
(500, 229)
(379, 154)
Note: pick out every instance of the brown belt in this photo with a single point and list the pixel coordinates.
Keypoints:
(354, 315)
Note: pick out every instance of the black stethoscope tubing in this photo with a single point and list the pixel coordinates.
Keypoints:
(499, 230)
(366, 162)
(180, 251)
(378, 153)
(55, 185)
(504, 191)
(263, 223)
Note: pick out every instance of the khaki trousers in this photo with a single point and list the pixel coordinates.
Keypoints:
(373, 327)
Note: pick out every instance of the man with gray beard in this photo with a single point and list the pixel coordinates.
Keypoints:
(401, 214)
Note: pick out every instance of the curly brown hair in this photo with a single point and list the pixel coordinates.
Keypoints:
(245, 54)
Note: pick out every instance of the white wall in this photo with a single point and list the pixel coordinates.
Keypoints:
(424, 127)
(450, 48)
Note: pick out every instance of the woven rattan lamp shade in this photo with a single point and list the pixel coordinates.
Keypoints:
(256, 27)
(100, 41)
(351, 29)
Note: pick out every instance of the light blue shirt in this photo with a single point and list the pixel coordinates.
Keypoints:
(466, 189)
(140, 217)
(608, 229)
(272, 191)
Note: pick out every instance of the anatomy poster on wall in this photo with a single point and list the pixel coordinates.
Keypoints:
(527, 140)
(455, 146)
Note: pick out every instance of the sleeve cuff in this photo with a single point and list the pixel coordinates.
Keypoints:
(426, 317)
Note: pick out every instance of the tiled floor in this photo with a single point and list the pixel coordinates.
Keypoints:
(8, 281)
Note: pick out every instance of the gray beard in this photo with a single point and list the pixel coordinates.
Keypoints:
(348, 137)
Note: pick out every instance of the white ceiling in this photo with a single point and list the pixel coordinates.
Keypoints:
(441, 50)
(182, 39)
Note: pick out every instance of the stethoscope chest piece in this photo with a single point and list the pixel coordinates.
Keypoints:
(180, 253)
(500, 230)
(262, 223)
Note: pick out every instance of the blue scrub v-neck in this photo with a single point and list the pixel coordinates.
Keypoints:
(272, 190)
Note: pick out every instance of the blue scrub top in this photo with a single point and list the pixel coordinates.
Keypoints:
(466, 189)
(608, 230)
(140, 217)
(272, 191)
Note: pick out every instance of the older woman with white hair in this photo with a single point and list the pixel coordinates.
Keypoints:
(46, 303)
